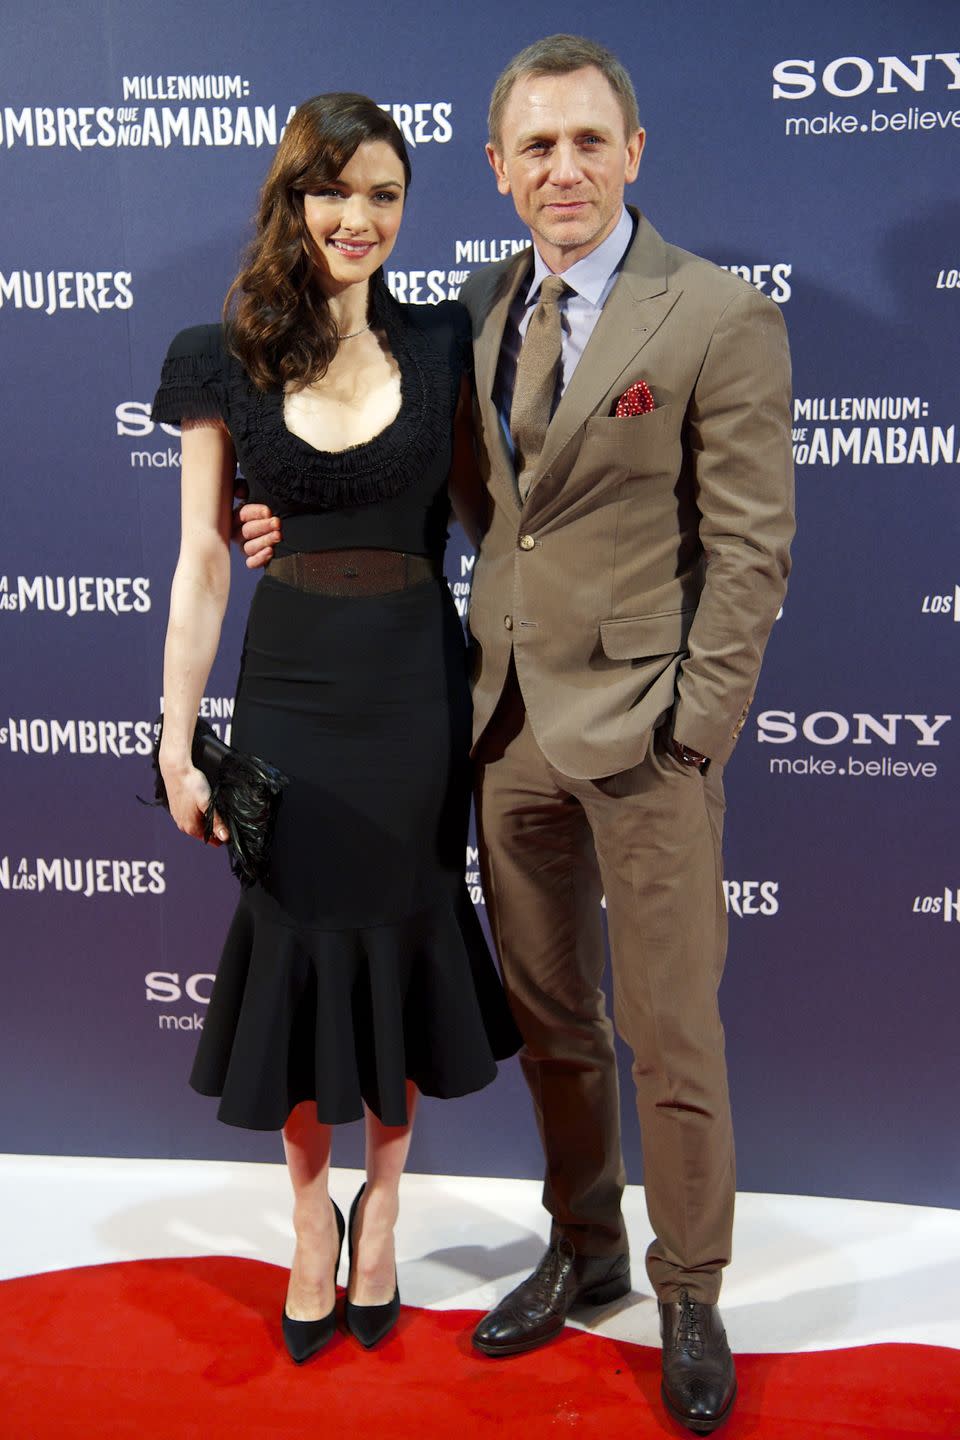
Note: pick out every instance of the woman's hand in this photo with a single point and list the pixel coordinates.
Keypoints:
(188, 795)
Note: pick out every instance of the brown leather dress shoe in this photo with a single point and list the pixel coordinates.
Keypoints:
(699, 1381)
(535, 1311)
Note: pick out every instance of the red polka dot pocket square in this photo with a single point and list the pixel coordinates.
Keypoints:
(638, 400)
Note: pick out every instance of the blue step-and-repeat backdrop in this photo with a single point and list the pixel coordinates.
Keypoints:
(814, 149)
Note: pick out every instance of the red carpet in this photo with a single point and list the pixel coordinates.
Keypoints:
(191, 1350)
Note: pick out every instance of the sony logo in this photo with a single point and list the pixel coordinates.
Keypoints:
(165, 986)
(829, 727)
(133, 418)
(850, 75)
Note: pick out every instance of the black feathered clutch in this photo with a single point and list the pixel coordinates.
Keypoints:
(244, 791)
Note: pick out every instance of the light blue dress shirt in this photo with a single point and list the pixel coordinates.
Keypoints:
(590, 280)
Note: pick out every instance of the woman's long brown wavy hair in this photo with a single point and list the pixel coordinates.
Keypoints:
(277, 319)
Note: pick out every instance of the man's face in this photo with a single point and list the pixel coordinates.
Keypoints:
(565, 159)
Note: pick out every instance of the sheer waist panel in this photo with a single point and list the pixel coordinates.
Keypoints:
(352, 572)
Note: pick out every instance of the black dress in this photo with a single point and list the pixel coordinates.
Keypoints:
(362, 963)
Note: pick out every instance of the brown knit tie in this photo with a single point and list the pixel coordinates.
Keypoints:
(536, 381)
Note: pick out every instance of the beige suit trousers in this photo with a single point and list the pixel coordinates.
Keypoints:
(649, 840)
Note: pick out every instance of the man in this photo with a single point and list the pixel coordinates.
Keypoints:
(634, 437)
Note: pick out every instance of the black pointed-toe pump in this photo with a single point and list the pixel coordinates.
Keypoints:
(368, 1323)
(303, 1338)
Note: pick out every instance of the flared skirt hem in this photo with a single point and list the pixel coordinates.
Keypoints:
(346, 1017)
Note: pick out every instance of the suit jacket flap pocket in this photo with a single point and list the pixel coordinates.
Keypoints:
(640, 635)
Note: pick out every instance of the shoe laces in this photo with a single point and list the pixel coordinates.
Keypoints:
(690, 1327)
(548, 1275)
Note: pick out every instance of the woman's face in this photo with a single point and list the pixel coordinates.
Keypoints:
(354, 219)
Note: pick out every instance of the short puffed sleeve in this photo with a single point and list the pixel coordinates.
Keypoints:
(447, 327)
(193, 380)
(448, 324)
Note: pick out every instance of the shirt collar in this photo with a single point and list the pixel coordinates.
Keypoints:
(590, 276)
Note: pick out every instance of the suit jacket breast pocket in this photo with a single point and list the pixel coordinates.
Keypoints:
(636, 444)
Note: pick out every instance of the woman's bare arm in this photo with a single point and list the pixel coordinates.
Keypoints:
(198, 601)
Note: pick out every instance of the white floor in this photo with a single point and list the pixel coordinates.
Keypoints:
(808, 1274)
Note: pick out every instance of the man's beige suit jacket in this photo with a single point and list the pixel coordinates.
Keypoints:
(643, 572)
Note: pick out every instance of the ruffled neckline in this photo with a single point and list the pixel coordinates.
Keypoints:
(377, 469)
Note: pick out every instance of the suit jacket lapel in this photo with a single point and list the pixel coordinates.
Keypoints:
(635, 308)
(486, 354)
(486, 346)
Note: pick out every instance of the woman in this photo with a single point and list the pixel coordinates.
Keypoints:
(358, 975)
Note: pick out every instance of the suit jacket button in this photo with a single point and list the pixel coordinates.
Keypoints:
(508, 622)
(527, 542)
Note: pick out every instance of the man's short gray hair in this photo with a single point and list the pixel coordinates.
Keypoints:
(561, 55)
